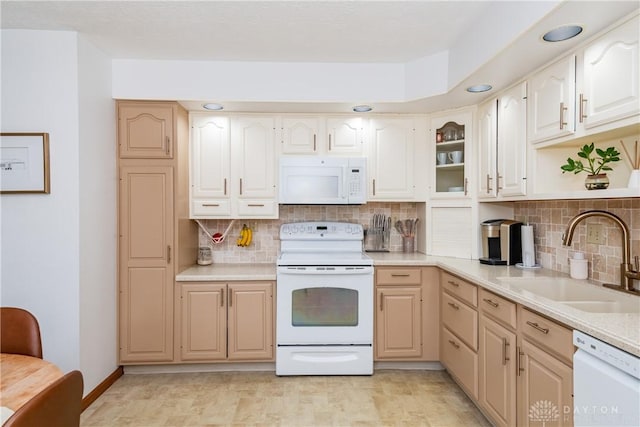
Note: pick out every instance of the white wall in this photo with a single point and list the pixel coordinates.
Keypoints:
(98, 213)
(43, 236)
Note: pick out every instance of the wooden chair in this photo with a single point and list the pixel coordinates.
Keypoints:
(19, 332)
(58, 405)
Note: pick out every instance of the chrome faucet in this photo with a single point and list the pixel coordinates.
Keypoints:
(627, 273)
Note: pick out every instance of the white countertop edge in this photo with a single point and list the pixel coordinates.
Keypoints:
(619, 329)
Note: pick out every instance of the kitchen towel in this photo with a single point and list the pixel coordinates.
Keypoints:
(528, 251)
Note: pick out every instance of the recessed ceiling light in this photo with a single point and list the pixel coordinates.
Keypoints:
(212, 106)
(479, 88)
(362, 108)
(565, 32)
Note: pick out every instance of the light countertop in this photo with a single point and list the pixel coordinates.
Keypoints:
(619, 329)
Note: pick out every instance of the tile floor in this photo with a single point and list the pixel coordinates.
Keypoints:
(388, 398)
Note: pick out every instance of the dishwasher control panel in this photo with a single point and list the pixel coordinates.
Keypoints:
(606, 352)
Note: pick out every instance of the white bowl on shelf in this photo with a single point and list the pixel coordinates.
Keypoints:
(454, 189)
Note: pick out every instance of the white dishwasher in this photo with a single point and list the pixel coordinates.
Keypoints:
(606, 384)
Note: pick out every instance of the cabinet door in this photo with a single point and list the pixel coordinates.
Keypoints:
(545, 387)
(250, 327)
(497, 356)
(345, 136)
(611, 76)
(487, 149)
(204, 321)
(145, 130)
(451, 135)
(146, 264)
(391, 159)
(398, 322)
(299, 135)
(253, 157)
(512, 142)
(552, 94)
(210, 158)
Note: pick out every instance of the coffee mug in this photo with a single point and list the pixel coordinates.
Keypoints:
(455, 156)
(441, 158)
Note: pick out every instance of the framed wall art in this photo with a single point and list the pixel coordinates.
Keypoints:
(24, 163)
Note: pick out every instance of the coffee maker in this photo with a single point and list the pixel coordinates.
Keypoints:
(501, 242)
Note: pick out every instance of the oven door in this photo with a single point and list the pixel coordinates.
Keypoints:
(325, 305)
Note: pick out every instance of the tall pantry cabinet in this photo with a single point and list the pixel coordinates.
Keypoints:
(153, 222)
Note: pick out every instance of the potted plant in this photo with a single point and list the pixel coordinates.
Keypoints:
(595, 165)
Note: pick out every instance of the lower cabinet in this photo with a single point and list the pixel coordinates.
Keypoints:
(227, 321)
(406, 314)
(521, 373)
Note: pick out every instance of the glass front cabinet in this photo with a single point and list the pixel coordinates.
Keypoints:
(450, 135)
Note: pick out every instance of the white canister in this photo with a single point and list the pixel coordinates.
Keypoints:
(578, 266)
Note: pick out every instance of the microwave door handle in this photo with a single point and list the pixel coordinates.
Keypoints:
(345, 182)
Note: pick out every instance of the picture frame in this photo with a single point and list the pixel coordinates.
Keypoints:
(24, 163)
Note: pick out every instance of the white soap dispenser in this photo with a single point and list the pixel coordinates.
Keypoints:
(578, 266)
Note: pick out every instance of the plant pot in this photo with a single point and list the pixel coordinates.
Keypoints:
(596, 182)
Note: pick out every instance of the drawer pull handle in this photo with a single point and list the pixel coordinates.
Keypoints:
(455, 344)
(455, 306)
(168, 145)
(538, 327)
(491, 303)
(168, 254)
(256, 205)
(452, 283)
(210, 205)
(222, 297)
(399, 275)
(381, 300)
(505, 344)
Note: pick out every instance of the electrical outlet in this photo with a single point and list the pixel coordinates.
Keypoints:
(595, 234)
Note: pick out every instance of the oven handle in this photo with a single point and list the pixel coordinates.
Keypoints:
(323, 271)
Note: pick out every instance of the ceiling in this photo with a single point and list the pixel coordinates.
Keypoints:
(333, 31)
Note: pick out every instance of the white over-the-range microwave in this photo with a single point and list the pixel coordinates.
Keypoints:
(322, 180)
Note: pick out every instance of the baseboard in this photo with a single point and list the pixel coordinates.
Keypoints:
(101, 388)
(414, 366)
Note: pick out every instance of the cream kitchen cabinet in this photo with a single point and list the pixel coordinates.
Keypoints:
(593, 91)
(392, 159)
(497, 358)
(146, 129)
(156, 237)
(226, 321)
(406, 314)
(611, 77)
(146, 266)
(450, 142)
(233, 167)
(502, 145)
(545, 373)
(329, 135)
(459, 331)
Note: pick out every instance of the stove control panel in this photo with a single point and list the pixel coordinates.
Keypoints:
(320, 230)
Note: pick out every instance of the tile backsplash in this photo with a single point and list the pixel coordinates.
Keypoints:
(266, 241)
(550, 219)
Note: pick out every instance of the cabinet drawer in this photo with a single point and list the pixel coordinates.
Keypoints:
(499, 308)
(461, 288)
(398, 276)
(548, 333)
(461, 319)
(210, 208)
(460, 361)
(254, 208)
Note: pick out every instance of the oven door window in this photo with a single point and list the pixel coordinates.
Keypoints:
(324, 307)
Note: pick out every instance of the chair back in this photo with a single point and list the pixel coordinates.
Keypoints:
(58, 405)
(19, 332)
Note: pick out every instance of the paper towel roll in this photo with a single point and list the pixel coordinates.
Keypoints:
(528, 250)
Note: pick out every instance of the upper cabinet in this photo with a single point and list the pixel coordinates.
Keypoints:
(145, 130)
(233, 167)
(611, 73)
(450, 135)
(391, 159)
(595, 91)
(331, 135)
(552, 95)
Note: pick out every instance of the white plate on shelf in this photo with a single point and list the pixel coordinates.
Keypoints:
(454, 189)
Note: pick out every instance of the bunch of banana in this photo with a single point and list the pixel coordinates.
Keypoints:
(246, 234)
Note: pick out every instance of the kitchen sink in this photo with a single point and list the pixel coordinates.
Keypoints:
(575, 293)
